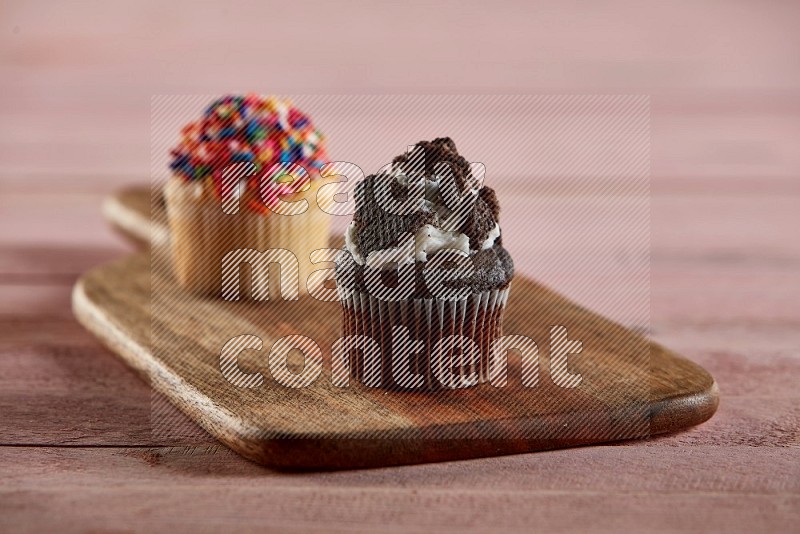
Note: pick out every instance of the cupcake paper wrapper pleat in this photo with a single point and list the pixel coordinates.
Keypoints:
(203, 236)
(423, 343)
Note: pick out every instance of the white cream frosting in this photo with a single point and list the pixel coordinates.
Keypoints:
(351, 242)
(429, 239)
(494, 233)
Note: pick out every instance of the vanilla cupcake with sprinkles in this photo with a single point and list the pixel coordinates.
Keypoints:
(423, 277)
(245, 176)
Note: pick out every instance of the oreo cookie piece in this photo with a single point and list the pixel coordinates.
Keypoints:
(378, 228)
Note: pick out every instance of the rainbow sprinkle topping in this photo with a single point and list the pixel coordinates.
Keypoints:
(262, 130)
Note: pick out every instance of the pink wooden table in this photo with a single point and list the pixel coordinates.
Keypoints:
(77, 451)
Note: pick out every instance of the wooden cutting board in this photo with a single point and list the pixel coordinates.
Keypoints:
(630, 387)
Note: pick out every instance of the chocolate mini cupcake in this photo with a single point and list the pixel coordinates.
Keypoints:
(423, 277)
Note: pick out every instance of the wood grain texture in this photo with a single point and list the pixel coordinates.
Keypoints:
(129, 212)
(620, 389)
(207, 489)
(78, 79)
(50, 362)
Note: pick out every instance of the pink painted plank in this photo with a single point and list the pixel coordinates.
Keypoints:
(684, 146)
(723, 286)
(753, 372)
(59, 386)
(36, 301)
(573, 490)
(730, 338)
(50, 264)
(584, 470)
(54, 219)
(765, 420)
(641, 48)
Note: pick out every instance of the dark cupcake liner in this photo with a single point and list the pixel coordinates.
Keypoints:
(428, 343)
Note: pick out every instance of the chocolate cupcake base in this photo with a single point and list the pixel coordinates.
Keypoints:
(421, 344)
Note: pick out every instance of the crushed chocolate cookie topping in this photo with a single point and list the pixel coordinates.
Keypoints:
(467, 223)
(490, 198)
(483, 219)
(427, 155)
(377, 228)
